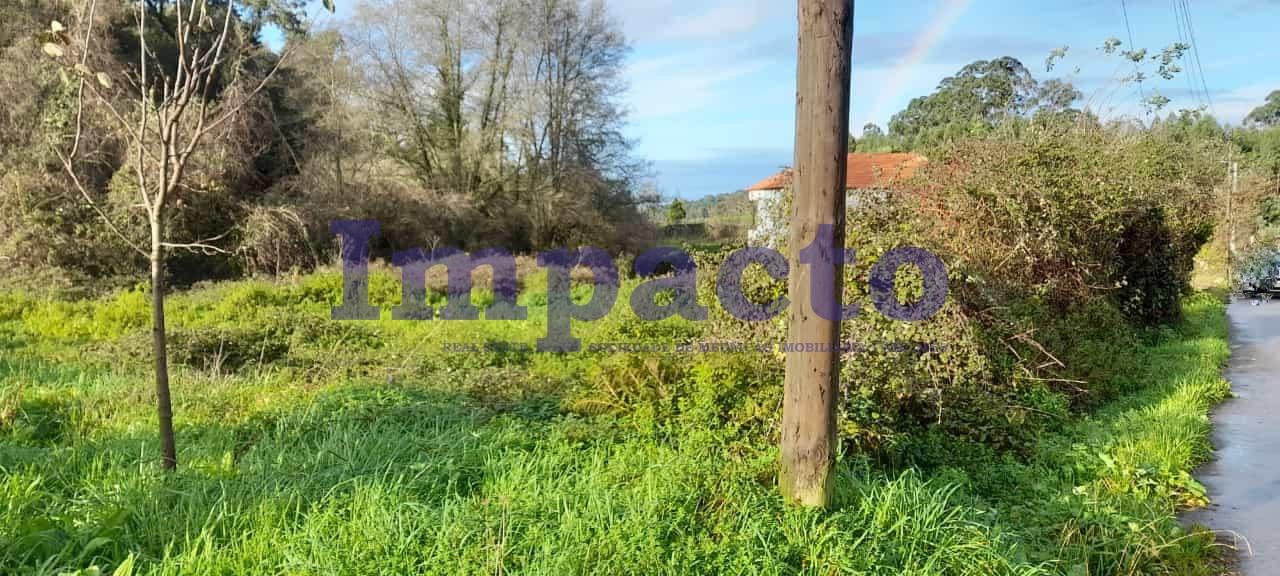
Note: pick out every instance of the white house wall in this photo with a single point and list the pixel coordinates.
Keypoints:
(772, 226)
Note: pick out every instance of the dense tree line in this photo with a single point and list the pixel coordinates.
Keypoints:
(453, 122)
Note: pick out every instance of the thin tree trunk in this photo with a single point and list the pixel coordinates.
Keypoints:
(164, 404)
(821, 148)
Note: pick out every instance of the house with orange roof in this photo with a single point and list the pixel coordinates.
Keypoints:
(867, 174)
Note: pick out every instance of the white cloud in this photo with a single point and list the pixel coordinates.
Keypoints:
(642, 19)
(1232, 106)
(686, 64)
(671, 86)
(694, 20)
(723, 20)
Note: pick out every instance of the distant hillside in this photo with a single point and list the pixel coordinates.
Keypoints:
(719, 218)
(733, 206)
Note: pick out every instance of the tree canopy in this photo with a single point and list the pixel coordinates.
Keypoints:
(979, 96)
(1267, 114)
(675, 212)
(453, 122)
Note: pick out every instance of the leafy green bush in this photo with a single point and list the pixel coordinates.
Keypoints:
(13, 305)
(725, 395)
(84, 320)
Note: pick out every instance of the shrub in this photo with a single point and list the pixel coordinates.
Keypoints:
(724, 395)
(1069, 216)
(275, 240)
(220, 350)
(44, 418)
(1061, 245)
(13, 305)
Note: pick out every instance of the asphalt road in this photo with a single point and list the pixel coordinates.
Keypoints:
(1244, 479)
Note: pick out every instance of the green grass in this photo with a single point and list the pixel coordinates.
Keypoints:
(313, 447)
(1103, 493)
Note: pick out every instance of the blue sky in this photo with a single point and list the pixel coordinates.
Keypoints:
(712, 81)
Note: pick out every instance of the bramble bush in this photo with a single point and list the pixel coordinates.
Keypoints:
(1069, 216)
(1063, 244)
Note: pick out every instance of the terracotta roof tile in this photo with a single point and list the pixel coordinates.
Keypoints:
(865, 171)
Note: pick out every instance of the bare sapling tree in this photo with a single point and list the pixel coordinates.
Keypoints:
(164, 109)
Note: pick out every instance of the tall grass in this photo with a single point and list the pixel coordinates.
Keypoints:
(310, 447)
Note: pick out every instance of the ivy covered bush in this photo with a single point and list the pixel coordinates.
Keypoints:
(1063, 244)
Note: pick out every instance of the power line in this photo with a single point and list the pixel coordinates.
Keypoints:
(1193, 85)
(1133, 47)
(1190, 72)
(1195, 49)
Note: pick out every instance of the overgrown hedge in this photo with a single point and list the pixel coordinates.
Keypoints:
(1064, 244)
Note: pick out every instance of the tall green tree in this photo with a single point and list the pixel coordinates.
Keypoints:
(675, 212)
(1266, 115)
(979, 96)
(875, 140)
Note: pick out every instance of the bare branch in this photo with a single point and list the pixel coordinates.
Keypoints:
(88, 198)
(203, 246)
(68, 160)
(145, 101)
(84, 58)
(206, 249)
(262, 85)
(181, 37)
(127, 126)
(183, 95)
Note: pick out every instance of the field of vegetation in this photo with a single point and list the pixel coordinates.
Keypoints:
(1045, 421)
(310, 446)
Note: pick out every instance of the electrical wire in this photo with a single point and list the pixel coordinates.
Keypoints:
(1124, 6)
(1189, 72)
(1195, 49)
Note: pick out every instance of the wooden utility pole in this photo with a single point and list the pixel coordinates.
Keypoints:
(1235, 190)
(822, 146)
(1231, 218)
